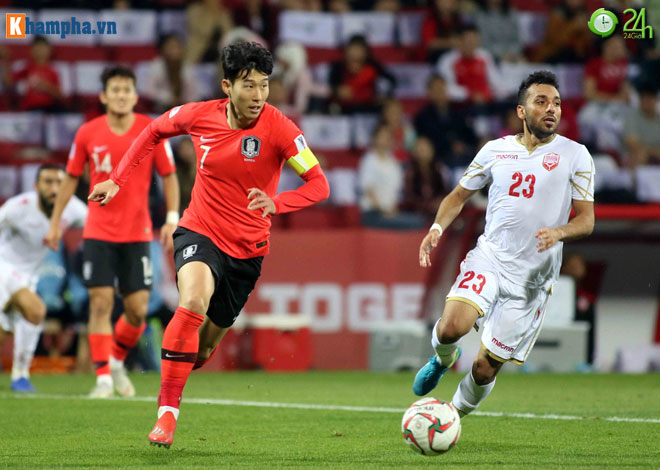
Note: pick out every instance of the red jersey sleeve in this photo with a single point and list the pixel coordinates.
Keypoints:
(164, 159)
(78, 153)
(176, 121)
(299, 156)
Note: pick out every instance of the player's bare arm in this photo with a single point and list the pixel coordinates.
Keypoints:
(579, 226)
(171, 191)
(68, 187)
(450, 207)
(260, 200)
(104, 192)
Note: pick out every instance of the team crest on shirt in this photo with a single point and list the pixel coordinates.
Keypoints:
(550, 161)
(250, 146)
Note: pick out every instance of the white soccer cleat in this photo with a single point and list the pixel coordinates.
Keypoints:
(102, 390)
(123, 384)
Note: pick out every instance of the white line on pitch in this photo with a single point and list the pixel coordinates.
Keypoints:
(311, 406)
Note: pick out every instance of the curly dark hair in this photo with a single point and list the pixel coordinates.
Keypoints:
(542, 77)
(117, 71)
(239, 59)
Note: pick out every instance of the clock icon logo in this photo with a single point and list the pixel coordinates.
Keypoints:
(603, 22)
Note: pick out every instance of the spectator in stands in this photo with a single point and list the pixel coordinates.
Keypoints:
(354, 79)
(208, 21)
(606, 92)
(649, 68)
(41, 80)
(424, 180)
(403, 133)
(641, 130)
(185, 161)
(566, 39)
(303, 94)
(498, 27)
(171, 81)
(469, 70)
(512, 124)
(259, 16)
(439, 28)
(380, 179)
(278, 97)
(447, 127)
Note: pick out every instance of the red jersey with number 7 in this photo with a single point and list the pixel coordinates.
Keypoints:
(229, 163)
(125, 218)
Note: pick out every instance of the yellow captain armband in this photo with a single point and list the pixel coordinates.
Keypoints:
(303, 161)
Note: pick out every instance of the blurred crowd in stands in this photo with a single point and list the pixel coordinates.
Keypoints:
(395, 96)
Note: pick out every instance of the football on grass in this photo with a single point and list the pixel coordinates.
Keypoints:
(431, 426)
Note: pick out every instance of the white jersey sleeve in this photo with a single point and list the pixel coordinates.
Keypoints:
(582, 176)
(479, 173)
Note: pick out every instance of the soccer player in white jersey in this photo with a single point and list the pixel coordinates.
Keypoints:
(505, 281)
(24, 222)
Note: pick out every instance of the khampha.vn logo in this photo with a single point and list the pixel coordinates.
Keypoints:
(18, 25)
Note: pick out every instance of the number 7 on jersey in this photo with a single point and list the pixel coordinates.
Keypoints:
(206, 149)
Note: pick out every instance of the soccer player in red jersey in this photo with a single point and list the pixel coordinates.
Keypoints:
(241, 143)
(117, 237)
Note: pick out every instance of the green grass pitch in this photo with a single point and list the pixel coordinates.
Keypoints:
(59, 429)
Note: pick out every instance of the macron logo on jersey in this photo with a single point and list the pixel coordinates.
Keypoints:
(173, 111)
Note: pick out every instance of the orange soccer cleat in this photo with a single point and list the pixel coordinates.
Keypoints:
(162, 434)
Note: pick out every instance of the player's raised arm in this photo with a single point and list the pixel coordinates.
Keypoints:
(67, 189)
(169, 124)
(450, 207)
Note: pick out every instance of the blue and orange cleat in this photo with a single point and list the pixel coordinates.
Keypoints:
(22, 385)
(162, 434)
(428, 376)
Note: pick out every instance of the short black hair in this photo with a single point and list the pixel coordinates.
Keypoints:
(38, 39)
(117, 71)
(239, 59)
(542, 77)
(46, 166)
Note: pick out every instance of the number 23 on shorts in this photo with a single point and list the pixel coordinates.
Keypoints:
(478, 283)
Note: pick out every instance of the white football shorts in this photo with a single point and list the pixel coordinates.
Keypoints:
(11, 281)
(510, 315)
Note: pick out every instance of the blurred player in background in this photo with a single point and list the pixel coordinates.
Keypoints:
(116, 237)
(505, 281)
(23, 225)
(241, 143)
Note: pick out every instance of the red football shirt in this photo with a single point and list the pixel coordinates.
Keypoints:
(34, 98)
(609, 76)
(125, 218)
(229, 163)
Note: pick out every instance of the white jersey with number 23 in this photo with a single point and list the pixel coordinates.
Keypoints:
(528, 191)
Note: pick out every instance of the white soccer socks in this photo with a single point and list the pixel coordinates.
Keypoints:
(26, 338)
(469, 395)
(446, 352)
(164, 409)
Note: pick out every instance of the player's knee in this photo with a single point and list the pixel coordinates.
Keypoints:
(100, 305)
(136, 314)
(450, 330)
(483, 372)
(194, 303)
(35, 313)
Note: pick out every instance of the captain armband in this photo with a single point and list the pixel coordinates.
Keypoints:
(304, 159)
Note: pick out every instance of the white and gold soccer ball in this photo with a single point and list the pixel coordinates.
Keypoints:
(431, 426)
